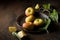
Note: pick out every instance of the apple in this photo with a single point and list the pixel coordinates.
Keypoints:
(28, 25)
(29, 11)
(37, 6)
(12, 29)
(38, 22)
(21, 34)
(29, 18)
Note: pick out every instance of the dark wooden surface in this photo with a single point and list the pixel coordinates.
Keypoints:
(10, 10)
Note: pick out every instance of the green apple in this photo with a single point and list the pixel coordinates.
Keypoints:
(29, 18)
(29, 11)
(28, 25)
(21, 34)
(37, 6)
(38, 22)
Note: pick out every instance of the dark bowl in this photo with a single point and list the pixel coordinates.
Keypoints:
(52, 27)
(21, 20)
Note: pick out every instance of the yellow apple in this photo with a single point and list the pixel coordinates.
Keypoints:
(29, 11)
(29, 18)
(12, 29)
(38, 22)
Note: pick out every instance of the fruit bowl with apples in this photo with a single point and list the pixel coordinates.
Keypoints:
(37, 19)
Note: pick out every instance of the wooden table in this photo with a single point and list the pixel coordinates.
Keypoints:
(10, 10)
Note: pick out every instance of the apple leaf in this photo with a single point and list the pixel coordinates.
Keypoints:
(47, 21)
(54, 16)
(46, 6)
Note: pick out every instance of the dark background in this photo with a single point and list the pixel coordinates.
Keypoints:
(10, 10)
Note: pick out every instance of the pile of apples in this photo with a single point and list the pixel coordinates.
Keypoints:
(32, 21)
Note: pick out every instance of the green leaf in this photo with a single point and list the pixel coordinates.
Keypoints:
(46, 6)
(48, 21)
(54, 16)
